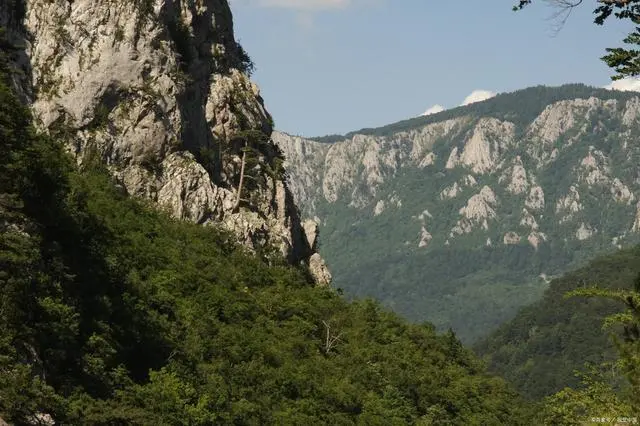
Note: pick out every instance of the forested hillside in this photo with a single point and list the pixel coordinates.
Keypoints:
(541, 348)
(111, 313)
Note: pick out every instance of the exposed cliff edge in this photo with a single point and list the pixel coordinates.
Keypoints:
(159, 91)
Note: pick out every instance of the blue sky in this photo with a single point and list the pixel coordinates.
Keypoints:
(333, 66)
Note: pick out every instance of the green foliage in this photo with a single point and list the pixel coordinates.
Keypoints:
(119, 34)
(144, 9)
(629, 346)
(602, 398)
(594, 401)
(260, 158)
(111, 313)
(541, 348)
(151, 163)
(470, 289)
(100, 117)
(246, 65)
(209, 158)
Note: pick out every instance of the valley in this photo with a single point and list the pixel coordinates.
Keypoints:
(169, 256)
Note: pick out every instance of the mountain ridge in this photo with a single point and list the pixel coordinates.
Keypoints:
(503, 195)
(579, 90)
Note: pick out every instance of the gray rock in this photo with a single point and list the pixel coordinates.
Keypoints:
(319, 270)
(160, 95)
(311, 232)
(520, 165)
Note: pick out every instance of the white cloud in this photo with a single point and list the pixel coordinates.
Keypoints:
(478, 96)
(434, 110)
(628, 84)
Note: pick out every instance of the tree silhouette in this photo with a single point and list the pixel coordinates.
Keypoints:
(625, 62)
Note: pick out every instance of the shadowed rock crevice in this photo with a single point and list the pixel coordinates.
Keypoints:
(13, 44)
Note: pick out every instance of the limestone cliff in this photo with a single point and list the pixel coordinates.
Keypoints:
(479, 169)
(159, 91)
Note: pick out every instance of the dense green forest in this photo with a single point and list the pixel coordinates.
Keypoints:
(471, 288)
(541, 348)
(574, 352)
(113, 313)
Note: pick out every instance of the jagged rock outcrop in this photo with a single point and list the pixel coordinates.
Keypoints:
(584, 232)
(509, 162)
(516, 176)
(425, 237)
(535, 199)
(159, 92)
(480, 208)
(568, 205)
(319, 269)
(511, 238)
(486, 143)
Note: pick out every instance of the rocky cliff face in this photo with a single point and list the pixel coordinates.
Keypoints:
(158, 90)
(519, 180)
(486, 149)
